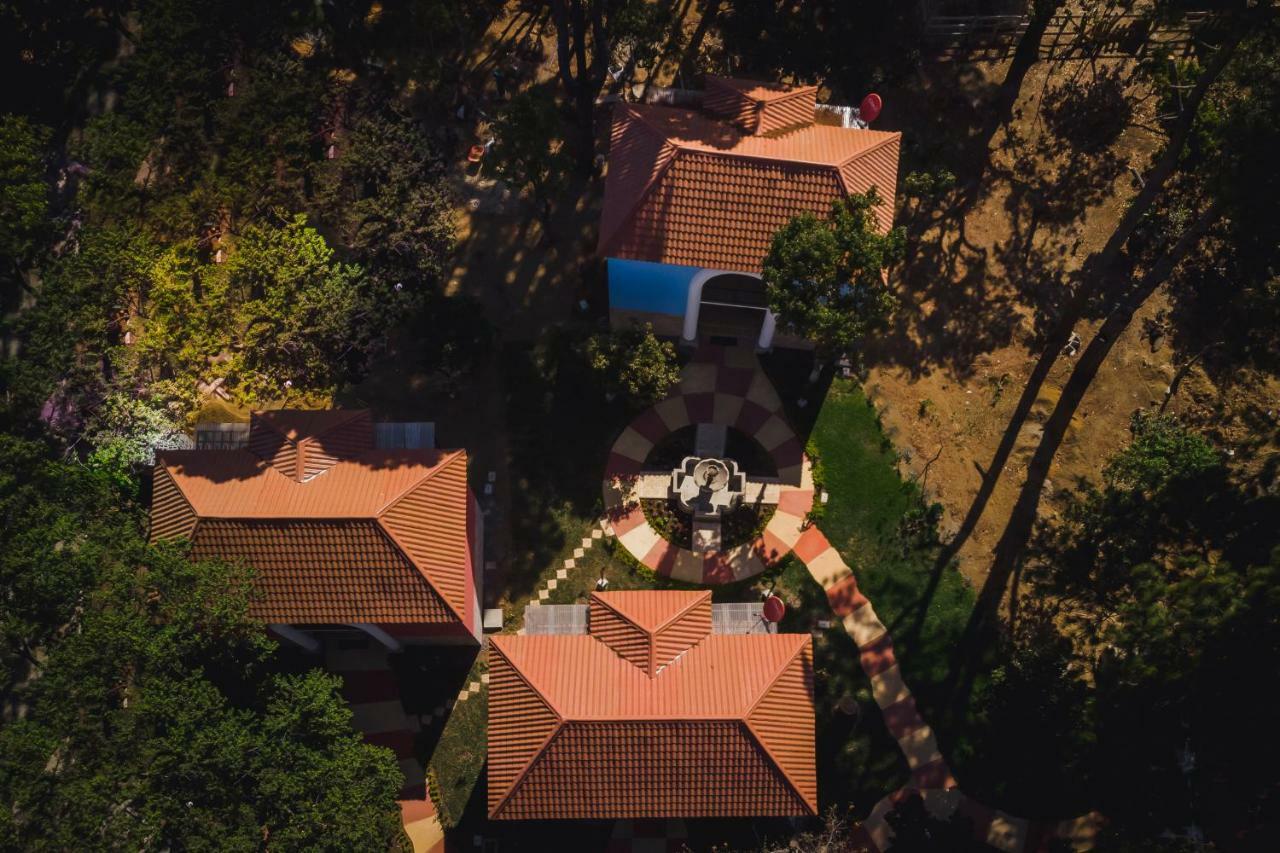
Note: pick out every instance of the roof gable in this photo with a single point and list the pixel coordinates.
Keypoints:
(651, 628)
(714, 196)
(760, 107)
(429, 523)
(302, 444)
(560, 704)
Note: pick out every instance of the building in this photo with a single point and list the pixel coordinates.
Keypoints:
(342, 533)
(693, 199)
(651, 714)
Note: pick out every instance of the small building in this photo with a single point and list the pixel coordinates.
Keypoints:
(342, 533)
(651, 714)
(693, 198)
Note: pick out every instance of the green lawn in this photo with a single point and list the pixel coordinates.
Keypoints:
(858, 760)
(458, 756)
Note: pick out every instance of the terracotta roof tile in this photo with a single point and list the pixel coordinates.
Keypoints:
(685, 188)
(650, 628)
(726, 728)
(374, 535)
(760, 107)
(647, 769)
(323, 572)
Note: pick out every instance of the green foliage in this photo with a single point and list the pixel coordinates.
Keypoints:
(1225, 294)
(928, 185)
(1158, 496)
(125, 433)
(1174, 653)
(634, 363)
(528, 153)
(24, 195)
(386, 198)
(159, 723)
(73, 336)
(60, 525)
(276, 316)
(825, 278)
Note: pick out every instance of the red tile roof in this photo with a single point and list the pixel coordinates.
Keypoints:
(580, 727)
(760, 107)
(374, 536)
(687, 188)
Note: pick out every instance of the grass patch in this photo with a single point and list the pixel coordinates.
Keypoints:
(459, 755)
(872, 519)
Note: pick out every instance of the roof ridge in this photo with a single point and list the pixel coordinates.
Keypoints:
(177, 488)
(773, 760)
(693, 602)
(496, 645)
(654, 179)
(497, 642)
(800, 652)
(801, 643)
(446, 459)
(890, 137)
(420, 569)
(524, 771)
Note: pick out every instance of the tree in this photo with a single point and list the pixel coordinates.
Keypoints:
(1182, 211)
(634, 363)
(1172, 657)
(386, 197)
(162, 722)
(1162, 491)
(528, 153)
(586, 33)
(125, 432)
(24, 199)
(60, 524)
(72, 339)
(275, 318)
(825, 279)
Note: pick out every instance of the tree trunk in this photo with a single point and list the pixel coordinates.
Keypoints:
(1092, 277)
(1013, 541)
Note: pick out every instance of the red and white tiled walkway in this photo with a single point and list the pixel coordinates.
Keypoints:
(930, 776)
(373, 694)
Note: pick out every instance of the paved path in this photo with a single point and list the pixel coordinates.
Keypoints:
(373, 694)
(930, 776)
(726, 387)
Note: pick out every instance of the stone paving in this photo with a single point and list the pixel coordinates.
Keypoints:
(725, 387)
(930, 776)
(373, 695)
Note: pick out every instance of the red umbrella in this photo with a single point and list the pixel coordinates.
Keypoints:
(774, 609)
(870, 108)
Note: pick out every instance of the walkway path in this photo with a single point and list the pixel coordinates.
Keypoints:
(727, 386)
(720, 386)
(930, 776)
(373, 694)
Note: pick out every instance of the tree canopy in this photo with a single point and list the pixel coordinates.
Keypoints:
(632, 362)
(825, 279)
(161, 722)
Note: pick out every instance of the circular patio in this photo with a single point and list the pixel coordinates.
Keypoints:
(711, 392)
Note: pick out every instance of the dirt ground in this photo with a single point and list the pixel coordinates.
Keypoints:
(975, 290)
(948, 376)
